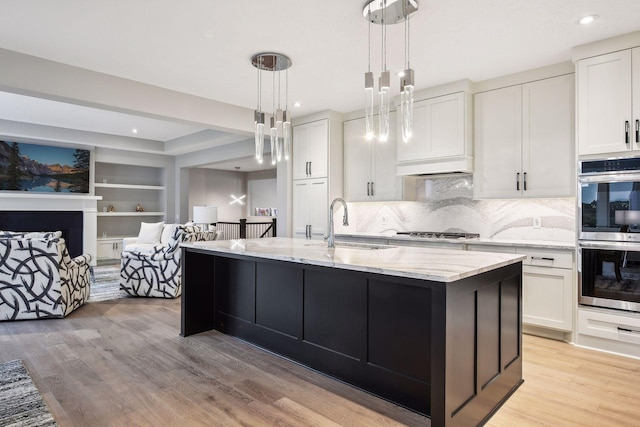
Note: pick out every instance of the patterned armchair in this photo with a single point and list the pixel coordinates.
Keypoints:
(38, 278)
(158, 272)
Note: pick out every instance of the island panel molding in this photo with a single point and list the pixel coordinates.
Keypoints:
(406, 339)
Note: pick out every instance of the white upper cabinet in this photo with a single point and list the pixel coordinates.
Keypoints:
(548, 137)
(370, 166)
(605, 104)
(498, 143)
(310, 149)
(441, 140)
(524, 140)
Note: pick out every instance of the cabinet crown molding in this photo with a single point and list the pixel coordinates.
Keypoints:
(601, 47)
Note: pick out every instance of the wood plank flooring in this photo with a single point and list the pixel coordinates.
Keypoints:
(122, 363)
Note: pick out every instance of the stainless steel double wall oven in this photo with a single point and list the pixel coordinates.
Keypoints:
(609, 233)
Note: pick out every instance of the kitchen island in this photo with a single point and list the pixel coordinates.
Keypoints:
(437, 331)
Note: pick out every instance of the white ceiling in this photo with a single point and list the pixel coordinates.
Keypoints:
(203, 48)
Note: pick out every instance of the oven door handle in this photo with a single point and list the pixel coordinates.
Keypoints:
(609, 177)
(615, 246)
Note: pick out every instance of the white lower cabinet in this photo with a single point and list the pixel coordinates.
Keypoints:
(547, 297)
(310, 208)
(109, 248)
(608, 330)
(547, 285)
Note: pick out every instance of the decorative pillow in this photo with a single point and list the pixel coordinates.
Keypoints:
(150, 232)
(167, 233)
(197, 227)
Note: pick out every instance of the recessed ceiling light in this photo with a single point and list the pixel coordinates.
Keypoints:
(400, 73)
(134, 130)
(297, 104)
(587, 19)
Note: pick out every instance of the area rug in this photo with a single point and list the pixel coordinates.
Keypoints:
(105, 284)
(20, 402)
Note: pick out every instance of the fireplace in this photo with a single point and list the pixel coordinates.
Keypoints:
(69, 222)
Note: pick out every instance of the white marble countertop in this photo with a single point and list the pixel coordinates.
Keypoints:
(391, 236)
(440, 265)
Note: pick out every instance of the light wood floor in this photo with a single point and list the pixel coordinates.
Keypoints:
(123, 363)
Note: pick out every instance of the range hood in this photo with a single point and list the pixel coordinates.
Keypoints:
(441, 165)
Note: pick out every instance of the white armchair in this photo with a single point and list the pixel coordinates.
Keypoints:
(38, 278)
(155, 271)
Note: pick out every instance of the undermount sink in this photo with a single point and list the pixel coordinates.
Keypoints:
(350, 245)
(367, 246)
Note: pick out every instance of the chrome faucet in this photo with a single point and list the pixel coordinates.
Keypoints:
(345, 220)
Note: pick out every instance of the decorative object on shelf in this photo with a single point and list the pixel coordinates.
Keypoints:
(280, 122)
(386, 12)
(205, 215)
(111, 208)
(139, 208)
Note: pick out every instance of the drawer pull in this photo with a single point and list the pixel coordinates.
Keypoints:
(543, 258)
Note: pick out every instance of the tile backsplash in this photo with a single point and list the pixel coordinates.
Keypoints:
(446, 203)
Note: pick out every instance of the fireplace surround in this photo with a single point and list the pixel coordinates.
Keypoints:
(70, 223)
(48, 207)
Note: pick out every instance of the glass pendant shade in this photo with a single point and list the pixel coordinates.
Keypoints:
(279, 134)
(274, 142)
(259, 134)
(384, 92)
(368, 111)
(406, 105)
(286, 135)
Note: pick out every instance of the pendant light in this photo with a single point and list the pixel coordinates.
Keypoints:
(385, 12)
(280, 122)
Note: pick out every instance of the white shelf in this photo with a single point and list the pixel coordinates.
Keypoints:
(108, 238)
(129, 186)
(131, 213)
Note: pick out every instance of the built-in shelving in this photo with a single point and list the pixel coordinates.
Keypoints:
(131, 213)
(123, 188)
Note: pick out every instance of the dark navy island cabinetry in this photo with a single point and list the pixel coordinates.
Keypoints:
(450, 350)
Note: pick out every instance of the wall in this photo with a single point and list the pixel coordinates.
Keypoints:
(214, 187)
(446, 204)
(261, 190)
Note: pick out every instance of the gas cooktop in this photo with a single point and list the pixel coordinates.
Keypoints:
(439, 234)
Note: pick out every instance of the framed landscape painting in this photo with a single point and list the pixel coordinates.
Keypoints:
(43, 168)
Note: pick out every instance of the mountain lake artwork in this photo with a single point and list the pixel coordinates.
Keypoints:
(42, 168)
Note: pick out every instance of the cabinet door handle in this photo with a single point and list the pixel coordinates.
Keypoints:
(524, 176)
(637, 131)
(309, 168)
(373, 190)
(518, 181)
(310, 231)
(543, 258)
(626, 132)
(306, 168)
(368, 188)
